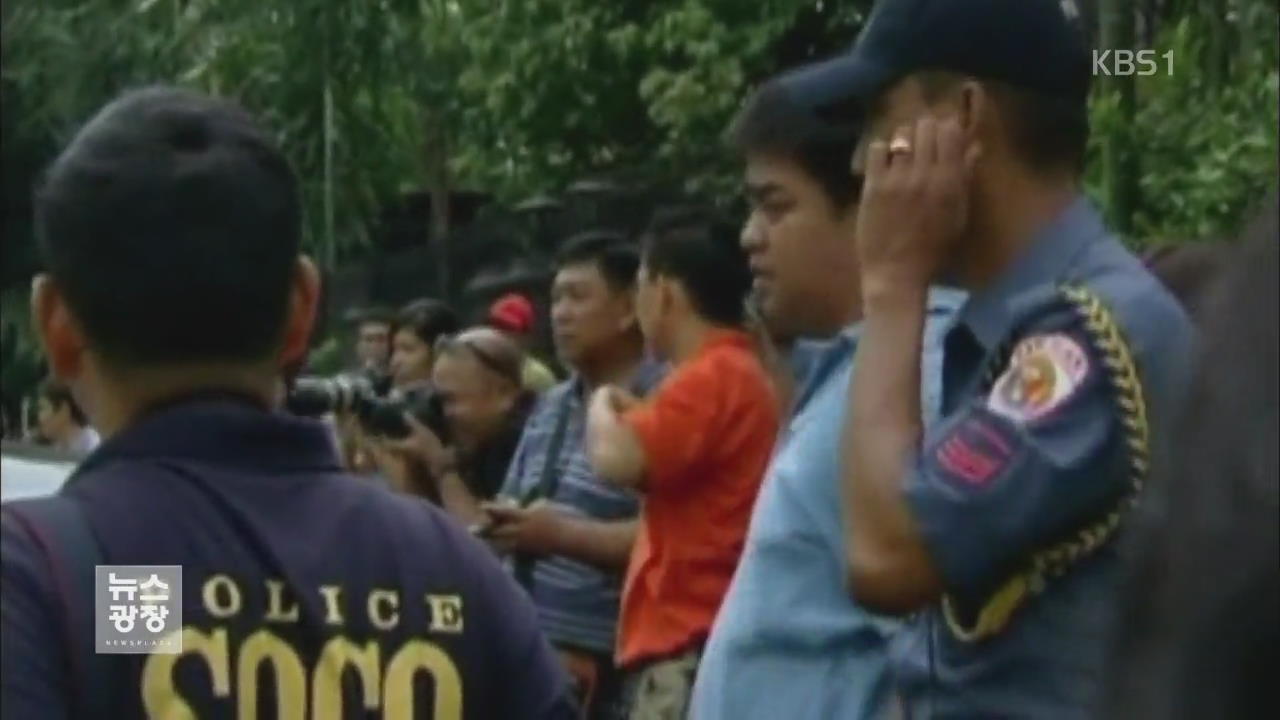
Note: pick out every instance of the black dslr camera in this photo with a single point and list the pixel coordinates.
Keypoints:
(367, 398)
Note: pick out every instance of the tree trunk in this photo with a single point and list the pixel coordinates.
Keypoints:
(436, 156)
(328, 257)
(1120, 170)
(1149, 24)
(1224, 42)
(327, 253)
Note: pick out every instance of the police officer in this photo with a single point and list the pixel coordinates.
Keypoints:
(175, 303)
(996, 528)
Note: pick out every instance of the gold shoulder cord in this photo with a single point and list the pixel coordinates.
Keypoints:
(1056, 560)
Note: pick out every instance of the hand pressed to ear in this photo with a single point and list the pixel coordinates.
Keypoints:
(914, 202)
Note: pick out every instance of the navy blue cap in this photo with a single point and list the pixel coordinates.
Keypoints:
(1037, 45)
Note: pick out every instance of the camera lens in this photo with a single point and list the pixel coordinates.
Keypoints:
(311, 397)
(383, 417)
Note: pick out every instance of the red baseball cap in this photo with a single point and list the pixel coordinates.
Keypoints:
(512, 312)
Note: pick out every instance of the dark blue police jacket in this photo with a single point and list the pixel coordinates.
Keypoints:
(1059, 382)
(305, 592)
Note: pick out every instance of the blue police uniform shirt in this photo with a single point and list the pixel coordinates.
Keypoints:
(1030, 460)
(283, 555)
(789, 641)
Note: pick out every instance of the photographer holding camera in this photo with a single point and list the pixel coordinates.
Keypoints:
(368, 403)
(482, 404)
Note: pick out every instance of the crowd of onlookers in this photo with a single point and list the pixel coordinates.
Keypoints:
(619, 490)
(915, 437)
(551, 472)
(625, 521)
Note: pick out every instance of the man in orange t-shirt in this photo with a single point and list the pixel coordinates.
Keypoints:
(697, 449)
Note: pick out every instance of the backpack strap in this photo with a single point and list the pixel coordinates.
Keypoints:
(60, 529)
(548, 482)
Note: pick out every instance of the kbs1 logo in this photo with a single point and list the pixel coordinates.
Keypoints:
(1121, 63)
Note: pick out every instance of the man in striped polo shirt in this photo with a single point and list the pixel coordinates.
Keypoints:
(569, 533)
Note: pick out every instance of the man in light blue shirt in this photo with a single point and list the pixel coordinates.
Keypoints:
(789, 641)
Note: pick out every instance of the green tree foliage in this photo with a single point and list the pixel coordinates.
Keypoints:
(569, 87)
(346, 84)
(1204, 136)
(580, 85)
(518, 97)
(371, 97)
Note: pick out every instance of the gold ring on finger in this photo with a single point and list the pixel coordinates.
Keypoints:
(900, 146)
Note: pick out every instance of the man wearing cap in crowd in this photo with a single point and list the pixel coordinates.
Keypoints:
(995, 529)
(513, 314)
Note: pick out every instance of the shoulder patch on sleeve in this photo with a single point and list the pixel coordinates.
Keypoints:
(976, 452)
(1043, 372)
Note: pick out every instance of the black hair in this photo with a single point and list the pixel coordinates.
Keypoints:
(700, 251)
(171, 224)
(1200, 632)
(59, 395)
(1050, 133)
(428, 319)
(611, 252)
(822, 145)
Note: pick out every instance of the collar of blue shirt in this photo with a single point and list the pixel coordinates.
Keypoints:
(222, 429)
(646, 377)
(988, 313)
(822, 357)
